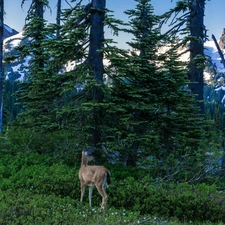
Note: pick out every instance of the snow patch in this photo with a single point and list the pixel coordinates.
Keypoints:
(207, 76)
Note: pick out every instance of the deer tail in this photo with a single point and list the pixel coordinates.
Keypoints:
(108, 178)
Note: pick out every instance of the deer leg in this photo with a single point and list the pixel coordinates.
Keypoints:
(104, 199)
(82, 187)
(90, 194)
(102, 192)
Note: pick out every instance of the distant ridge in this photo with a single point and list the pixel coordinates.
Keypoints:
(8, 31)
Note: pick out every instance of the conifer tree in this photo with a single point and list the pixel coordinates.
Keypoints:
(136, 84)
(81, 94)
(180, 123)
(32, 92)
(154, 111)
(188, 21)
(82, 39)
(197, 58)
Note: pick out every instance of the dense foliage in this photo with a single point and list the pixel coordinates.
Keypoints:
(47, 191)
(137, 102)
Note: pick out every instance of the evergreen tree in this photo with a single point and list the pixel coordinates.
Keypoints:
(32, 92)
(95, 62)
(155, 112)
(180, 124)
(197, 59)
(79, 91)
(135, 84)
(81, 86)
(194, 33)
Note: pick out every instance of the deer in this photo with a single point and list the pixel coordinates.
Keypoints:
(90, 176)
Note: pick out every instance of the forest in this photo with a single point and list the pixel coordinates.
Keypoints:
(151, 118)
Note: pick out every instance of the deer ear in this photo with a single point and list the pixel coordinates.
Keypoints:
(90, 151)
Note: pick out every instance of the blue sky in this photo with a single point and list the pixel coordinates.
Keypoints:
(214, 14)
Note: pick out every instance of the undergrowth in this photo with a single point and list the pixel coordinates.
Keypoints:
(36, 190)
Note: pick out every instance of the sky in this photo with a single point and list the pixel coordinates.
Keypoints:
(214, 13)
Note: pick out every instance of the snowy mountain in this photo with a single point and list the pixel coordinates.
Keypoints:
(214, 74)
(17, 69)
(213, 58)
(211, 51)
(8, 31)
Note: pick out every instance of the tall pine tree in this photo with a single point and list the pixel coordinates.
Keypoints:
(82, 90)
(32, 89)
(154, 111)
(188, 21)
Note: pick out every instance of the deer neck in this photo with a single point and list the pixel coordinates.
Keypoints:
(84, 161)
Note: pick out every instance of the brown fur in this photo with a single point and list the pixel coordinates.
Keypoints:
(93, 175)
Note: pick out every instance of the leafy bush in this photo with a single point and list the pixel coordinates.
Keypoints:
(61, 145)
(36, 190)
(183, 201)
(31, 208)
(38, 174)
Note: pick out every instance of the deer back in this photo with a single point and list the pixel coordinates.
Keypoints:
(91, 175)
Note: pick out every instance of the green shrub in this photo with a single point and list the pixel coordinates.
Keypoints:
(183, 201)
(37, 176)
(35, 189)
(24, 207)
(60, 145)
(120, 172)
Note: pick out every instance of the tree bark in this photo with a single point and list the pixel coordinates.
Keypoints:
(97, 38)
(95, 60)
(58, 19)
(196, 66)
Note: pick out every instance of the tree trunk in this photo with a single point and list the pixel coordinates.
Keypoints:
(96, 39)
(1, 64)
(39, 7)
(58, 19)
(196, 66)
(95, 60)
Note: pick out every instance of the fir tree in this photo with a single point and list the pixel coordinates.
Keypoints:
(136, 84)
(155, 112)
(187, 21)
(81, 94)
(33, 92)
(180, 124)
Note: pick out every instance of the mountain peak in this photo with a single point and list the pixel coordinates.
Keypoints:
(8, 31)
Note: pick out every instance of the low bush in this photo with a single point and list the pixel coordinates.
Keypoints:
(23, 207)
(200, 202)
(35, 190)
(38, 174)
